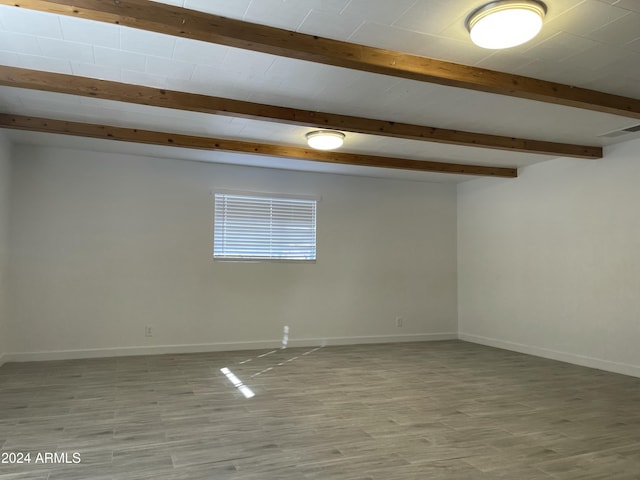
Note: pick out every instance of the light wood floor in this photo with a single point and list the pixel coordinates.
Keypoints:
(441, 410)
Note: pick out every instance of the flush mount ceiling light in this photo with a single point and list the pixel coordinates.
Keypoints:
(325, 139)
(506, 23)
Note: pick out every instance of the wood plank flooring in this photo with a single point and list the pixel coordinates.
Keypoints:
(438, 410)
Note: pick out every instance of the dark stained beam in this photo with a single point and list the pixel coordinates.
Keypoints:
(176, 21)
(103, 89)
(47, 125)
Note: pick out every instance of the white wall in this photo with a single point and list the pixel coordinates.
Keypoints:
(5, 174)
(104, 244)
(549, 263)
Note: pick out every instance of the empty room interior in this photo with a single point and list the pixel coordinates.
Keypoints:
(319, 239)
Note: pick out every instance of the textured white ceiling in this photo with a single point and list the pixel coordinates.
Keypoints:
(589, 43)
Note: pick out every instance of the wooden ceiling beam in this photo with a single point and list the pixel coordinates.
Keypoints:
(177, 21)
(103, 89)
(47, 125)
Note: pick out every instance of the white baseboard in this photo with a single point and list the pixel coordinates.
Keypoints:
(218, 347)
(591, 362)
(326, 342)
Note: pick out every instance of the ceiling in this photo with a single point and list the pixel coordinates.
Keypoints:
(593, 44)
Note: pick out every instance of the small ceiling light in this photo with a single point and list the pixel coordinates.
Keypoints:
(325, 139)
(506, 23)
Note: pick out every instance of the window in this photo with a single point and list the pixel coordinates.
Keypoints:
(259, 227)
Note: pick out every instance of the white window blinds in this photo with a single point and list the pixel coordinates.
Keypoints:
(256, 227)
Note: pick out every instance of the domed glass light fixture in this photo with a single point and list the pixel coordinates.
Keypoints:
(506, 23)
(325, 139)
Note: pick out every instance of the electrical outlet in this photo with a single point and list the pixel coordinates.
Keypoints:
(148, 331)
(399, 321)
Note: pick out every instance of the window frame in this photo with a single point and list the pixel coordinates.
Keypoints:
(270, 196)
